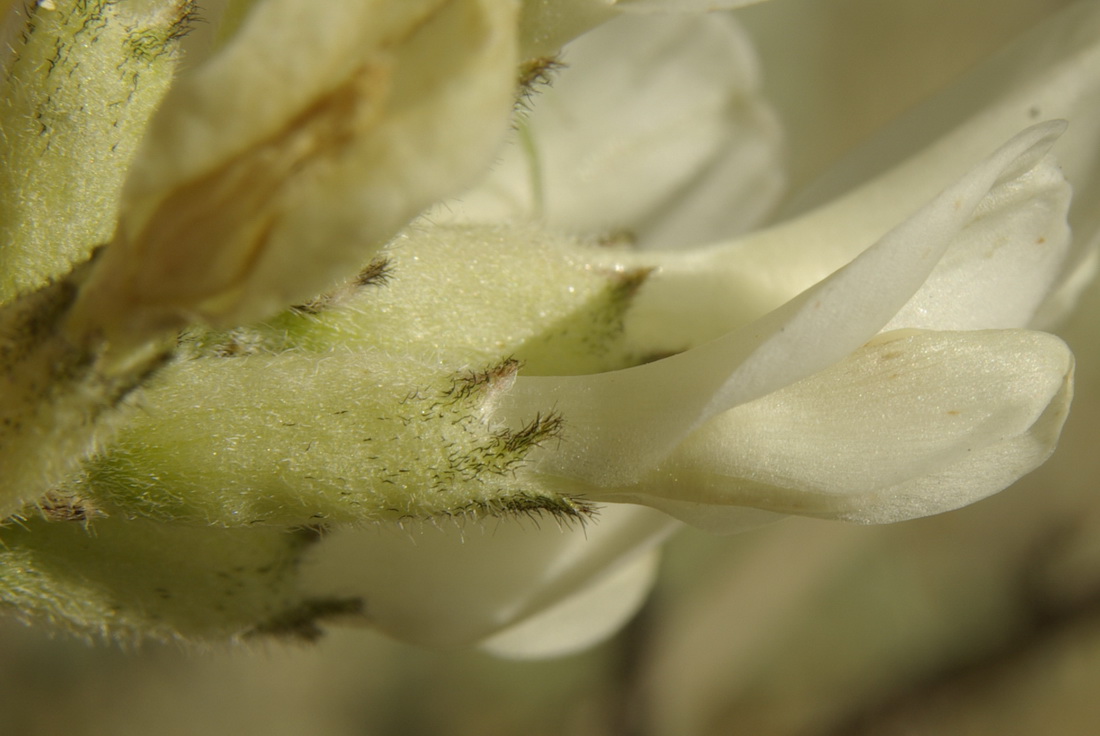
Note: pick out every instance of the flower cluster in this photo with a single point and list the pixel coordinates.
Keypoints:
(440, 315)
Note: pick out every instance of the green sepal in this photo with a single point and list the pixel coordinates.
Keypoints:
(81, 82)
(135, 579)
(299, 438)
(470, 296)
(59, 399)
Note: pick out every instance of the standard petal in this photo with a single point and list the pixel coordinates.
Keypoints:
(914, 424)
(282, 162)
(453, 587)
(622, 422)
(547, 25)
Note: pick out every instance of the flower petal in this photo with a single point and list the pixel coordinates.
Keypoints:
(1051, 72)
(283, 161)
(620, 423)
(547, 25)
(914, 424)
(1004, 265)
(655, 128)
(995, 274)
(449, 587)
(583, 620)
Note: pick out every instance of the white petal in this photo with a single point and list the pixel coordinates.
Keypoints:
(277, 166)
(914, 424)
(1051, 72)
(705, 514)
(1004, 264)
(453, 587)
(655, 127)
(996, 273)
(226, 16)
(620, 423)
(583, 620)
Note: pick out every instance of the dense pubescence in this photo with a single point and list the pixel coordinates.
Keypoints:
(191, 521)
(80, 84)
(316, 416)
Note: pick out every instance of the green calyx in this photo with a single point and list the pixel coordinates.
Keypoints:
(81, 82)
(373, 403)
(134, 579)
(295, 439)
(190, 522)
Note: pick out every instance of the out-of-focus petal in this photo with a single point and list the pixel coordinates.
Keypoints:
(656, 127)
(547, 25)
(617, 424)
(582, 620)
(277, 166)
(443, 587)
(681, 6)
(914, 424)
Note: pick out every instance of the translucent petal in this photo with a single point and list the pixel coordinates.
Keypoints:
(915, 423)
(453, 587)
(547, 25)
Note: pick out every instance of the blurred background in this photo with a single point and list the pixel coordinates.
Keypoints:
(981, 621)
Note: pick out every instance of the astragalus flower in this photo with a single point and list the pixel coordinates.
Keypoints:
(866, 361)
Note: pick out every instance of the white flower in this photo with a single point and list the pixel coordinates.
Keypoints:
(869, 359)
(815, 414)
